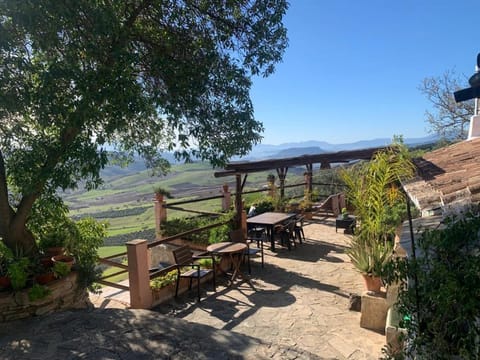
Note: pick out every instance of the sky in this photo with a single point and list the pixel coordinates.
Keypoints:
(353, 68)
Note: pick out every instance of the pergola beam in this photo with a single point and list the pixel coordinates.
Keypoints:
(245, 167)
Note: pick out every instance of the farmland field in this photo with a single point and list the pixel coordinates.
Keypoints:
(125, 200)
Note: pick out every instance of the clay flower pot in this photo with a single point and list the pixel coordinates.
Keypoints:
(45, 278)
(4, 282)
(55, 250)
(67, 259)
(47, 261)
(372, 283)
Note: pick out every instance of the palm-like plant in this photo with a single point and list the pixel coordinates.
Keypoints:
(374, 193)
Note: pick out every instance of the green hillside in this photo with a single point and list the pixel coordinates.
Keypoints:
(125, 200)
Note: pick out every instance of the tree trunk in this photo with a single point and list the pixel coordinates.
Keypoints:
(20, 240)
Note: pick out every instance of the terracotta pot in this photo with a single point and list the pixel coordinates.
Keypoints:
(372, 283)
(308, 215)
(4, 282)
(47, 262)
(45, 278)
(67, 259)
(54, 251)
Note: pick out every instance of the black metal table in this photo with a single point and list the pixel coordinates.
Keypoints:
(345, 223)
(269, 220)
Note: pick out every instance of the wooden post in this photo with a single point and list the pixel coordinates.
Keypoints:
(282, 174)
(238, 200)
(308, 179)
(160, 213)
(139, 275)
(227, 198)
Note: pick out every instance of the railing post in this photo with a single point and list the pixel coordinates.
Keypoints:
(227, 198)
(139, 275)
(244, 223)
(160, 213)
(335, 205)
(341, 200)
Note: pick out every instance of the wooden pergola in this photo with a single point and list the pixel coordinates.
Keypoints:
(243, 168)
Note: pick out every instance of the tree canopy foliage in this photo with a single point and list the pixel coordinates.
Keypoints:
(147, 76)
(450, 119)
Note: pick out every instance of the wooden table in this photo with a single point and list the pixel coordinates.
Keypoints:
(269, 220)
(235, 251)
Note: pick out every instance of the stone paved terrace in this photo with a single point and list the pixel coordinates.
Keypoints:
(298, 310)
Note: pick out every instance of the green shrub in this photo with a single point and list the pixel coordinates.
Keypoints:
(265, 205)
(205, 263)
(165, 280)
(6, 257)
(205, 237)
(91, 235)
(37, 292)
(61, 269)
(439, 299)
(18, 272)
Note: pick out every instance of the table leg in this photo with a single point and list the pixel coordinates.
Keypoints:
(272, 238)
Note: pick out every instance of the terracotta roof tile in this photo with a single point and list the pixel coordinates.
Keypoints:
(447, 177)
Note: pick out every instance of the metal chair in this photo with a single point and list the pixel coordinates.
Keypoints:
(258, 235)
(299, 234)
(286, 233)
(184, 258)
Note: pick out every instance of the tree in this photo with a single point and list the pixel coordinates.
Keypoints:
(450, 120)
(147, 76)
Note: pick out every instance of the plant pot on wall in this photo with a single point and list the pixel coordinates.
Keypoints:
(4, 282)
(45, 278)
(67, 259)
(55, 250)
(372, 283)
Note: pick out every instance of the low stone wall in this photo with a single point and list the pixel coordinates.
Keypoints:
(65, 294)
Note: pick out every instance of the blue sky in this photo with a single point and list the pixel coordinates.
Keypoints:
(353, 67)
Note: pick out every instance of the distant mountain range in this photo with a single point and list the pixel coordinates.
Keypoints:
(264, 151)
(286, 150)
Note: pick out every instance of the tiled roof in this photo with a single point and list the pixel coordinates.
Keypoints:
(447, 178)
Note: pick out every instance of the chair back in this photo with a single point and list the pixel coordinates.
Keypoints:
(237, 236)
(183, 255)
(299, 220)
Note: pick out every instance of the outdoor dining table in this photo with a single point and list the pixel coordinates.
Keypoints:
(234, 251)
(269, 220)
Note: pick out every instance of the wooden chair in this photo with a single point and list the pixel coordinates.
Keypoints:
(184, 258)
(237, 236)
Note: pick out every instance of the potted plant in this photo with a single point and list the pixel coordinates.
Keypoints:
(162, 286)
(44, 272)
(370, 258)
(52, 245)
(306, 205)
(61, 269)
(18, 271)
(58, 238)
(6, 258)
(161, 192)
(38, 292)
(344, 213)
(68, 260)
